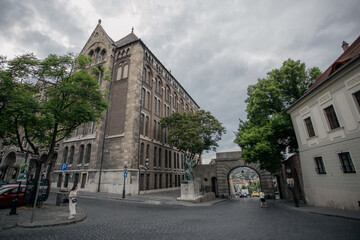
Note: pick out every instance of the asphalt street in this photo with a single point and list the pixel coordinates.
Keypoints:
(233, 219)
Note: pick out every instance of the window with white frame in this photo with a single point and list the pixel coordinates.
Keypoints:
(331, 117)
(357, 99)
(320, 168)
(309, 127)
(346, 162)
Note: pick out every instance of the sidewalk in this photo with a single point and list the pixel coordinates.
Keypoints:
(159, 198)
(47, 216)
(334, 212)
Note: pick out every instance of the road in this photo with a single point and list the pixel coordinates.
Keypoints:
(233, 219)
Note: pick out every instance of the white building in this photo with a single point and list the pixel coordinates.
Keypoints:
(327, 126)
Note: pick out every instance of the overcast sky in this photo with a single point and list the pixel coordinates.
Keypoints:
(215, 49)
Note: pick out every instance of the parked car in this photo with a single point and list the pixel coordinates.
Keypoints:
(255, 194)
(243, 194)
(8, 194)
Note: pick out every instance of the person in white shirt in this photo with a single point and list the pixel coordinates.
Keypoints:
(73, 196)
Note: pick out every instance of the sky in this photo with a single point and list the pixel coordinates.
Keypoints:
(215, 49)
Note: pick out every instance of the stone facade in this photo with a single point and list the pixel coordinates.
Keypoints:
(141, 92)
(214, 177)
(326, 122)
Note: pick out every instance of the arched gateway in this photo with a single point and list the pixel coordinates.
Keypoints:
(214, 177)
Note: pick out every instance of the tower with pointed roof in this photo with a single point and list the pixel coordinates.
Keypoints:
(141, 91)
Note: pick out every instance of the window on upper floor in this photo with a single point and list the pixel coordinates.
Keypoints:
(87, 153)
(357, 99)
(147, 102)
(65, 153)
(320, 168)
(347, 165)
(147, 126)
(142, 124)
(309, 127)
(141, 154)
(97, 55)
(103, 55)
(122, 71)
(331, 117)
(71, 157)
(81, 154)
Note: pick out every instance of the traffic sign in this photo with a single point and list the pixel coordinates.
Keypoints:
(125, 174)
(64, 167)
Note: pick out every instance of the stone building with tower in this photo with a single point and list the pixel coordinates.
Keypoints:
(141, 92)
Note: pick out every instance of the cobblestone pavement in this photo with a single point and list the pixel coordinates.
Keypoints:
(233, 219)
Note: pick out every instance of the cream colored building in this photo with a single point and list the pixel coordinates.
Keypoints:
(327, 125)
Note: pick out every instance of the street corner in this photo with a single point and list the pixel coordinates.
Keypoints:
(49, 217)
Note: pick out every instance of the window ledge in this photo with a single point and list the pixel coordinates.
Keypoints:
(337, 132)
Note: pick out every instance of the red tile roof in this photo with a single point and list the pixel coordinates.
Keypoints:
(344, 58)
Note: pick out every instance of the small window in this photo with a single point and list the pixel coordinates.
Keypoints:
(309, 127)
(126, 71)
(320, 168)
(97, 57)
(331, 117)
(119, 73)
(147, 126)
(346, 163)
(142, 124)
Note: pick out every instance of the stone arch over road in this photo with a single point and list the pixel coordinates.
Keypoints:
(220, 169)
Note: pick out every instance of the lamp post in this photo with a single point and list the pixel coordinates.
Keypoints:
(125, 176)
(291, 185)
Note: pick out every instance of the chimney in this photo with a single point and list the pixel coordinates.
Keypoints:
(345, 46)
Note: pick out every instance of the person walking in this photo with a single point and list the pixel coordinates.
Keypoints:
(262, 200)
(73, 196)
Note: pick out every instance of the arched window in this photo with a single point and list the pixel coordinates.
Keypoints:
(166, 159)
(65, 153)
(144, 75)
(126, 71)
(81, 154)
(71, 157)
(103, 55)
(97, 55)
(155, 152)
(147, 126)
(174, 159)
(154, 130)
(91, 54)
(147, 104)
(169, 159)
(147, 153)
(160, 163)
(155, 105)
(119, 73)
(142, 124)
(143, 97)
(158, 131)
(142, 154)
(148, 76)
(158, 107)
(88, 153)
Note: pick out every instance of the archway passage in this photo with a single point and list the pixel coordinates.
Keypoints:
(244, 182)
(220, 168)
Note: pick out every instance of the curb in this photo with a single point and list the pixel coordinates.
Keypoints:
(302, 209)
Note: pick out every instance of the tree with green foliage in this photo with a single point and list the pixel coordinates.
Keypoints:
(268, 135)
(44, 101)
(192, 133)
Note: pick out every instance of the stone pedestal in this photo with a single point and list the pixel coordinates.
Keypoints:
(190, 192)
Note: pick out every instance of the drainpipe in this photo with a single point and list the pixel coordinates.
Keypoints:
(105, 127)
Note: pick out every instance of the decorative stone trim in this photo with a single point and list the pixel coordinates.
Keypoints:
(324, 98)
(353, 82)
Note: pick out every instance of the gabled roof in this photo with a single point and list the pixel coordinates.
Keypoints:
(344, 58)
(126, 40)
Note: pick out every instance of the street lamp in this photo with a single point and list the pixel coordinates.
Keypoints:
(291, 185)
(125, 175)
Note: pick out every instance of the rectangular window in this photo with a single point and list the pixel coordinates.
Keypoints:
(357, 99)
(331, 117)
(346, 163)
(320, 168)
(309, 127)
